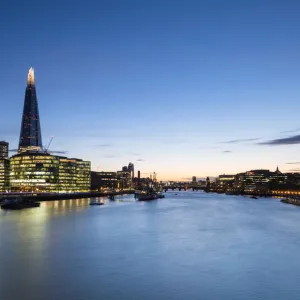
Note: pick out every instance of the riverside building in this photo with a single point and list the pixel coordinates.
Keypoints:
(4, 167)
(33, 169)
(42, 172)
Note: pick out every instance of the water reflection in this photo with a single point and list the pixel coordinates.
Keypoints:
(186, 246)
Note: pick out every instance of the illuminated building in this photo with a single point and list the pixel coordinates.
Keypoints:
(74, 175)
(30, 136)
(124, 180)
(256, 180)
(42, 172)
(35, 170)
(4, 167)
(223, 182)
(130, 169)
(104, 181)
(3, 149)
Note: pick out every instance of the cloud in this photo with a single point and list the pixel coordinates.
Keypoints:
(291, 131)
(240, 141)
(50, 151)
(208, 148)
(109, 156)
(13, 150)
(226, 151)
(292, 140)
(58, 152)
(178, 141)
(134, 154)
(293, 163)
(103, 145)
(294, 170)
(140, 160)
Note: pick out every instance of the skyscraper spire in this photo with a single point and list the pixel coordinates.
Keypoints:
(30, 78)
(30, 136)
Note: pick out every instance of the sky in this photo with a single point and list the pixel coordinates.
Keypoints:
(182, 88)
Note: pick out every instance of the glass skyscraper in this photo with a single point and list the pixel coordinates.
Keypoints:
(30, 136)
(34, 169)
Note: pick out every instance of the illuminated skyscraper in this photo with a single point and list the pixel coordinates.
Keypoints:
(30, 136)
(131, 169)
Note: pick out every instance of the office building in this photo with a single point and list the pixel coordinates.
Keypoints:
(33, 169)
(4, 167)
(41, 172)
(102, 181)
(30, 136)
(3, 149)
(130, 169)
(124, 180)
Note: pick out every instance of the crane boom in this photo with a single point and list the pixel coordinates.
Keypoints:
(46, 150)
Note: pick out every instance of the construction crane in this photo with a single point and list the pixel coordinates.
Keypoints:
(46, 149)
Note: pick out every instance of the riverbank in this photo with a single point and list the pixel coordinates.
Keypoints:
(64, 196)
(291, 201)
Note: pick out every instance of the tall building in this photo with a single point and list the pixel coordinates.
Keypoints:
(3, 149)
(130, 169)
(4, 167)
(194, 179)
(30, 136)
(35, 170)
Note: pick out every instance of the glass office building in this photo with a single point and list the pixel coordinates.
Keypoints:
(34, 172)
(30, 136)
(41, 172)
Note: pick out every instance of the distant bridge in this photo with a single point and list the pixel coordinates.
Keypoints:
(184, 188)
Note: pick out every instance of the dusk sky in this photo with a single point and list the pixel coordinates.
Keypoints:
(182, 88)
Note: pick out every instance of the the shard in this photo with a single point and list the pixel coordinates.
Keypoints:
(30, 137)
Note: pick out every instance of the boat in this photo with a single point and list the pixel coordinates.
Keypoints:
(253, 197)
(147, 196)
(94, 202)
(160, 195)
(17, 204)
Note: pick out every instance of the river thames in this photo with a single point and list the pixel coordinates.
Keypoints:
(189, 245)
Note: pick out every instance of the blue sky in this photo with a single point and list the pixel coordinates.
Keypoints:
(164, 84)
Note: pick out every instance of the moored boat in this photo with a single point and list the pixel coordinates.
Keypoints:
(94, 202)
(16, 204)
(147, 196)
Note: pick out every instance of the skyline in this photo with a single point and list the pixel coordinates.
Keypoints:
(147, 90)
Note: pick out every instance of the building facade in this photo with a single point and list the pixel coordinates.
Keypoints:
(33, 169)
(124, 180)
(44, 173)
(102, 181)
(30, 135)
(4, 167)
(3, 149)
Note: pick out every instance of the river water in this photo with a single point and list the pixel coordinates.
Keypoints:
(190, 245)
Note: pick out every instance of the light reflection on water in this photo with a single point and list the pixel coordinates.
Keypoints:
(189, 245)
